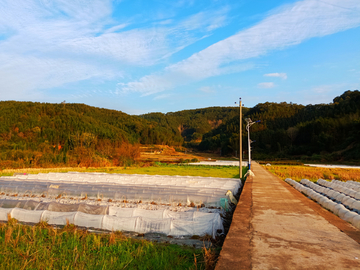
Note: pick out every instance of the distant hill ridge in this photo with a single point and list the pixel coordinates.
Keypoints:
(327, 132)
(44, 133)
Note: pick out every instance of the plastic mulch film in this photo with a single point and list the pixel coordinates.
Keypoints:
(89, 221)
(112, 223)
(341, 205)
(146, 225)
(48, 190)
(58, 218)
(121, 212)
(12, 203)
(137, 220)
(28, 216)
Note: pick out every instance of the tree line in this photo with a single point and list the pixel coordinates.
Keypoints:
(36, 134)
(45, 135)
(327, 132)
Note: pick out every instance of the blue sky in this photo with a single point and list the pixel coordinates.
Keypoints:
(161, 56)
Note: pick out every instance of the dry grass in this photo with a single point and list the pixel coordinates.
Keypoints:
(210, 258)
(313, 173)
(165, 153)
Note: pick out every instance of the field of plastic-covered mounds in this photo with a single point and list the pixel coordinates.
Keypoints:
(341, 198)
(173, 205)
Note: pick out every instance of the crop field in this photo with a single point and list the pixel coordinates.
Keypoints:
(173, 205)
(313, 174)
(44, 246)
(157, 169)
(341, 198)
(166, 154)
(338, 193)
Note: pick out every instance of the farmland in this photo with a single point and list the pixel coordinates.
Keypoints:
(158, 169)
(313, 174)
(44, 246)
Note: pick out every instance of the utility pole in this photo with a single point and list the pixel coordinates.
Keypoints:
(249, 124)
(240, 141)
(249, 142)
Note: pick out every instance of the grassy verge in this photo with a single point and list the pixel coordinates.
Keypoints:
(44, 247)
(313, 174)
(158, 169)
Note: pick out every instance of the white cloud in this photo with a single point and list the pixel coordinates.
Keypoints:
(209, 20)
(47, 44)
(24, 74)
(116, 28)
(288, 26)
(207, 89)
(280, 75)
(325, 93)
(162, 96)
(137, 47)
(266, 85)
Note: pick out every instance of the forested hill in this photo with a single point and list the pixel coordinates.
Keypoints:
(56, 123)
(193, 124)
(323, 132)
(43, 134)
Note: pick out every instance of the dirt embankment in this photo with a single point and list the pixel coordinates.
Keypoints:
(167, 154)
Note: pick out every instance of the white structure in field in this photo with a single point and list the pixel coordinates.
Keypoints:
(220, 163)
(135, 187)
(334, 196)
(140, 203)
(333, 166)
(116, 219)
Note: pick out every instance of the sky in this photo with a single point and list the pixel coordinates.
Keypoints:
(164, 56)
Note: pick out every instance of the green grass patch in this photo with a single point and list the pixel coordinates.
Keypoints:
(44, 247)
(157, 169)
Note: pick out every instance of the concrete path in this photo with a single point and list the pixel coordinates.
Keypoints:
(276, 227)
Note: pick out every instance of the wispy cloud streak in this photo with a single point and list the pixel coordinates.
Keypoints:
(285, 27)
(280, 75)
(266, 85)
(50, 43)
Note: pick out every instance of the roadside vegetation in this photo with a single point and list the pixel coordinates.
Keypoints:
(313, 174)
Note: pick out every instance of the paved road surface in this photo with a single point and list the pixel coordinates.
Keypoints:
(276, 227)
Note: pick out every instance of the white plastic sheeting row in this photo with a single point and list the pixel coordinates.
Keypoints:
(121, 219)
(143, 179)
(167, 189)
(220, 163)
(340, 188)
(350, 185)
(55, 206)
(333, 194)
(313, 191)
(354, 183)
